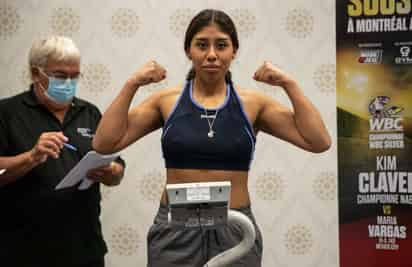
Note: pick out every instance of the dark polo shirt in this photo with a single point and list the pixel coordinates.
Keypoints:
(40, 226)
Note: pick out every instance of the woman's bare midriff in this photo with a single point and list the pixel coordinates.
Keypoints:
(239, 192)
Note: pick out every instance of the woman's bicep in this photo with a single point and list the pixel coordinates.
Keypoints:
(278, 120)
(142, 120)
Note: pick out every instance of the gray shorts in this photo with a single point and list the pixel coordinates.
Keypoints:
(193, 247)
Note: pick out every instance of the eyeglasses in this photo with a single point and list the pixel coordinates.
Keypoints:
(63, 75)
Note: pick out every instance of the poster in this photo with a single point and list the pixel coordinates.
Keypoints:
(374, 113)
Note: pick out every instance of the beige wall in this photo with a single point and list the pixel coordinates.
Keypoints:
(293, 192)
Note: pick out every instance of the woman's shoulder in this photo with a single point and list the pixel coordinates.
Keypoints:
(169, 93)
(165, 97)
(255, 99)
(249, 95)
(165, 93)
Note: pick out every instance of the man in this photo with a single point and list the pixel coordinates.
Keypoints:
(44, 132)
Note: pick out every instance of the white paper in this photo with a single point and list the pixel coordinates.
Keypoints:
(90, 161)
(86, 183)
(2, 171)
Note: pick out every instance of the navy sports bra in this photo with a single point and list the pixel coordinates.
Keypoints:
(185, 140)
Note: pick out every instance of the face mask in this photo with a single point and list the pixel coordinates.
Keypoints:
(61, 90)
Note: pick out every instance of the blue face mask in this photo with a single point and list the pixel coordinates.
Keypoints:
(61, 90)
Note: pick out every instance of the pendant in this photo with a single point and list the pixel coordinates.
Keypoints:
(211, 134)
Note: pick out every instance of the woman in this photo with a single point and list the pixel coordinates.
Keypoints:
(209, 130)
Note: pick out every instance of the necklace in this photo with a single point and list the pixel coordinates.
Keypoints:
(210, 122)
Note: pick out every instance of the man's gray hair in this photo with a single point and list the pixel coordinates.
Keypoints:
(54, 48)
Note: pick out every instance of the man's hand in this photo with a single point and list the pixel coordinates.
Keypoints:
(109, 175)
(49, 144)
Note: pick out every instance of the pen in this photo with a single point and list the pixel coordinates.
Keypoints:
(69, 146)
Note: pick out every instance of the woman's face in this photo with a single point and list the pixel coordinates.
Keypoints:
(211, 52)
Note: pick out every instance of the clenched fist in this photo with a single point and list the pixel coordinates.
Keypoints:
(151, 72)
(270, 74)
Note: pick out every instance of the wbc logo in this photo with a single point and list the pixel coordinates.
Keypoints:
(384, 118)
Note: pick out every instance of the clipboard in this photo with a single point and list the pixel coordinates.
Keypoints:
(78, 174)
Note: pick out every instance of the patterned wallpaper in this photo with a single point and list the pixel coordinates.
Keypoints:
(294, 192)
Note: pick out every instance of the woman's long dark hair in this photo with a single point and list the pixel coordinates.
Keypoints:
(209, 17)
